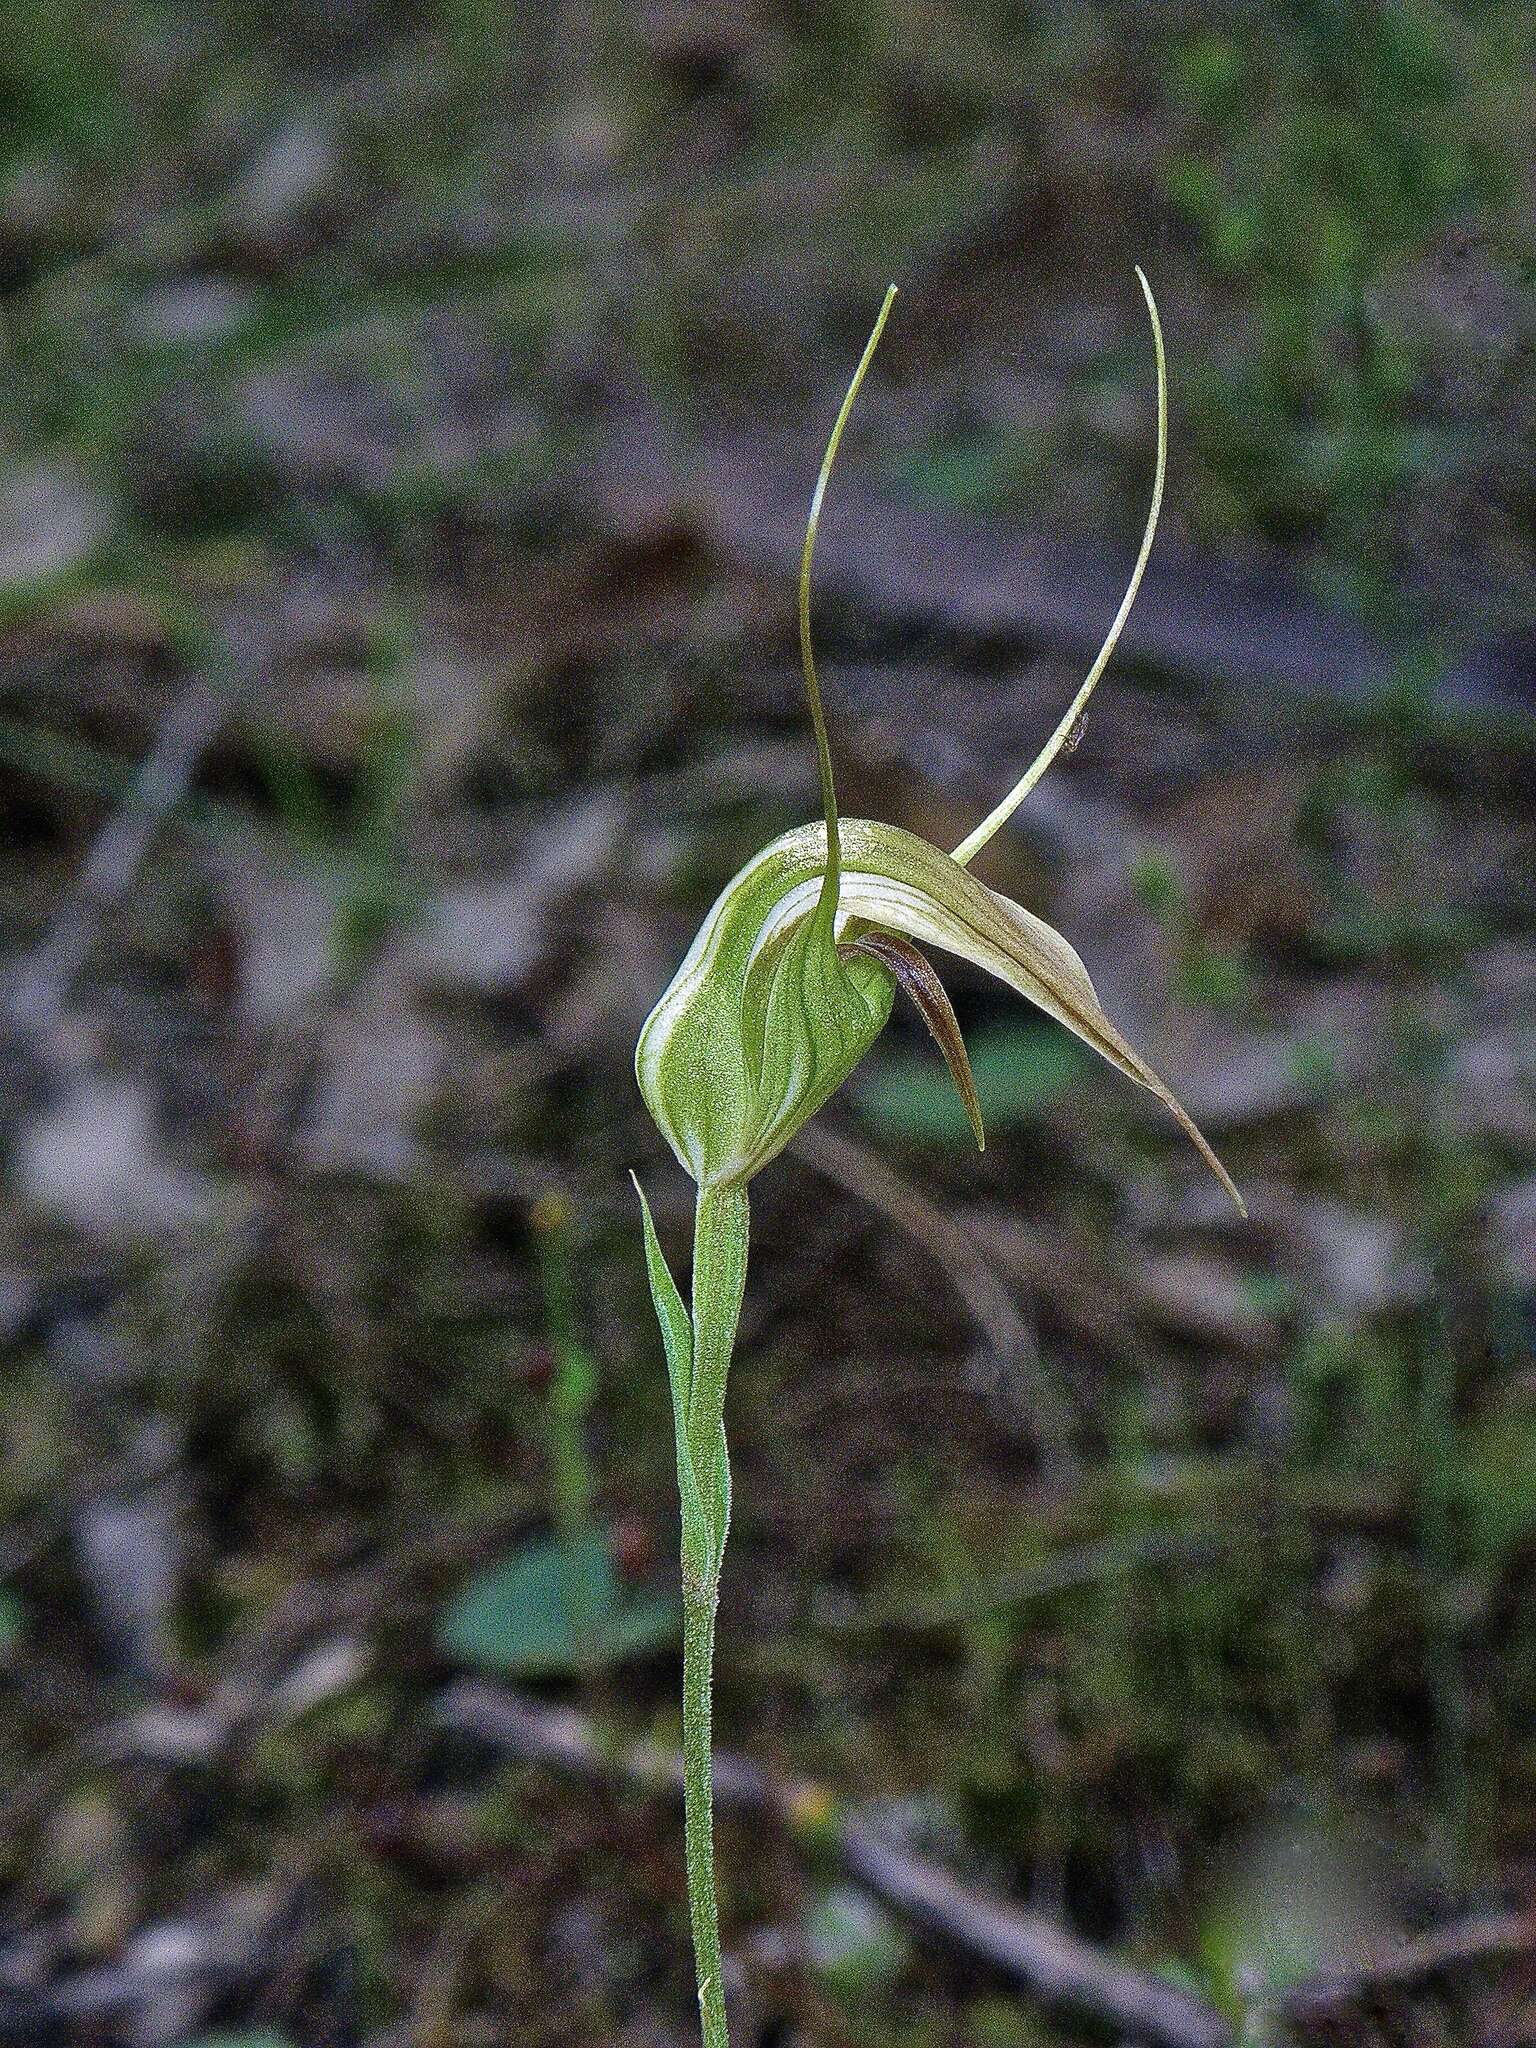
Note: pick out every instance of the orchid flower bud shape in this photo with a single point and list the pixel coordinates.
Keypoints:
(793, 973)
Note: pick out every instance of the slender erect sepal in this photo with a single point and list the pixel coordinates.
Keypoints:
(746, 1045)
(1061, 737)
(827, 907)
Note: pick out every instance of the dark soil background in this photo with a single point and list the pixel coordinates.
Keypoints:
(408, 418)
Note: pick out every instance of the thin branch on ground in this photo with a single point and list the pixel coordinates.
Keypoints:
(42, 986)
(1025, 1947)
(1486, 1937)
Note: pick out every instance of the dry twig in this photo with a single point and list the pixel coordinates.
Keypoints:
(1026, 1947)
(118, 852)
(1479, 1938)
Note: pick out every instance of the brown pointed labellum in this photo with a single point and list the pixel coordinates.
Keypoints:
(916, 975)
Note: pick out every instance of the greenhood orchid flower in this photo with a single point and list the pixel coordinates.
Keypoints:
(787, 986)
(792, 976)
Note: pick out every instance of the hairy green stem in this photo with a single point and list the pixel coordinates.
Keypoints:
(719, 1277)
(698, 1815)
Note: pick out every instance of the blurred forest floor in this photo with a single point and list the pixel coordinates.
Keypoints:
(406, 439)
